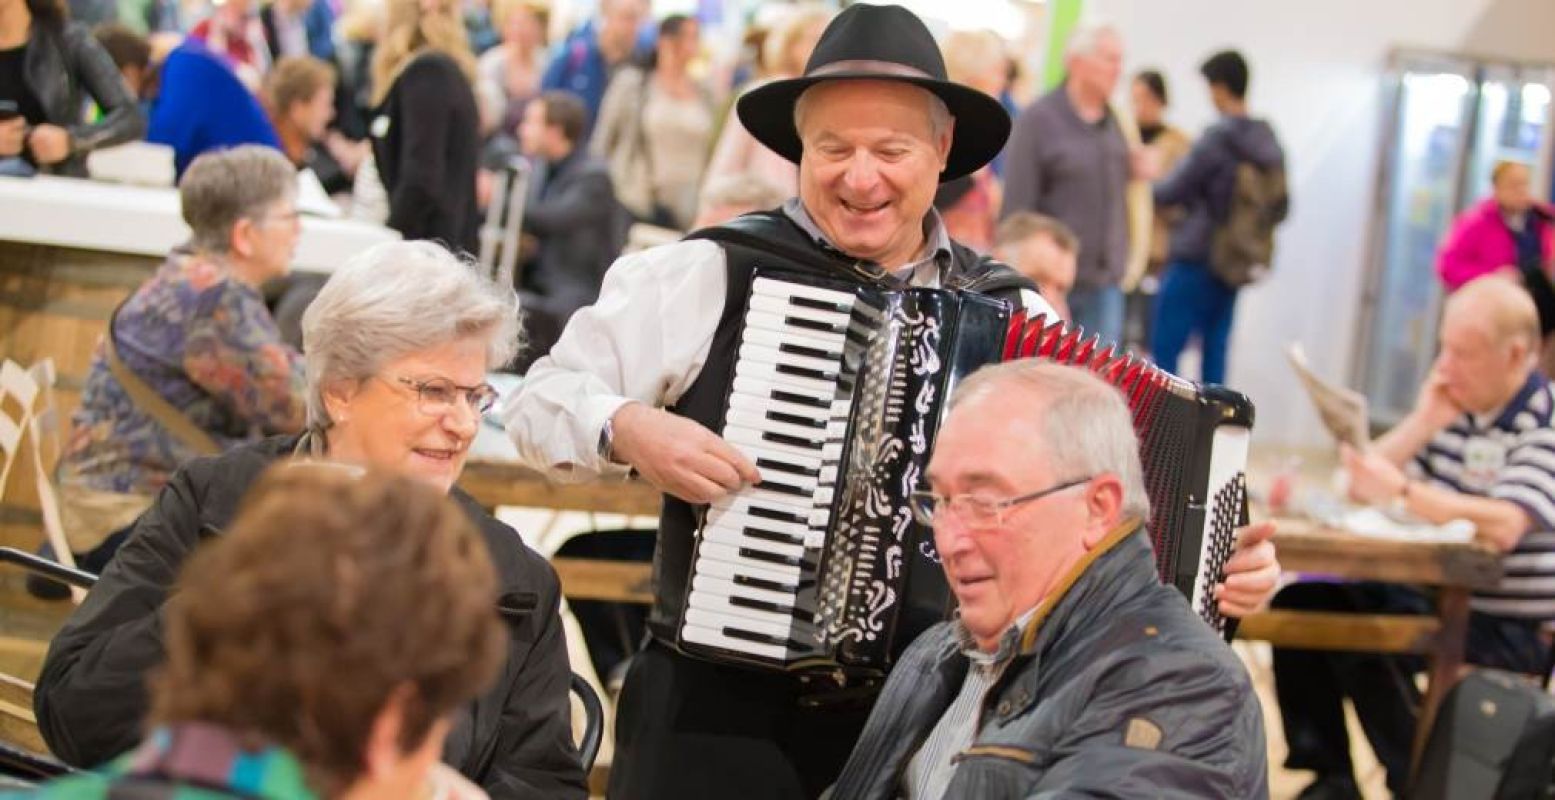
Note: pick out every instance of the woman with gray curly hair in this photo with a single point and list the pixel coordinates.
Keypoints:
(397, 346)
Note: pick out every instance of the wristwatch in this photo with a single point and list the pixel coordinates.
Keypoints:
(1399, 508)
(607, 441)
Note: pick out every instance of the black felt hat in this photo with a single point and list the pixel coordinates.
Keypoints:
(880, 43)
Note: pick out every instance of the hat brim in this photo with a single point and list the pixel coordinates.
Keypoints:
(981, 128)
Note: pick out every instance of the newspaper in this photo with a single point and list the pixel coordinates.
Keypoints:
(1342, 410)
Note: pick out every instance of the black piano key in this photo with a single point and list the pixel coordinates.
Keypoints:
(783, 488)
(780, 516)
(805, 372)
(752, 636)
(819, 305)
(771, 586)
(799, 399)
(774, 558)
(786, 468)
(809, 352)
(776, 608)
(792, 441)
(815, 325)
(773, 536)
(795, 419)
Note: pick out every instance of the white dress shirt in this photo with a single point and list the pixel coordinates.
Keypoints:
(646, 339)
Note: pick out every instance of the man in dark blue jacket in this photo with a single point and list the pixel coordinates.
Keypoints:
(1193, 300)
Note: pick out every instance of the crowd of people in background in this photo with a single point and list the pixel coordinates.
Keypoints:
(408, 111)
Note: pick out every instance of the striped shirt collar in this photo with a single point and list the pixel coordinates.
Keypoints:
(1009, 642)
(927, 270)
(1504, 417)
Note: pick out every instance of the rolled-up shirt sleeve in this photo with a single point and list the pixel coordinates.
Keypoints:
(644, 340)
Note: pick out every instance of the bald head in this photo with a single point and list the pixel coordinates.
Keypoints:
(1499, 305)
(1489, 343)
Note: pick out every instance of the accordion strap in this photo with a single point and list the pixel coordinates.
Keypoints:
(148, 401)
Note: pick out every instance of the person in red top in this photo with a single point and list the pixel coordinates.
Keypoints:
(234, 31)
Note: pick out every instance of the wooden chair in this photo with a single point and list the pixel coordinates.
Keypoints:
(17, 392)
(31, 393)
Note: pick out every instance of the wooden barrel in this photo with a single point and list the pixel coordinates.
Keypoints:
(55, 303)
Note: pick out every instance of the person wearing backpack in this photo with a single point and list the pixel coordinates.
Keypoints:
(1232, 189)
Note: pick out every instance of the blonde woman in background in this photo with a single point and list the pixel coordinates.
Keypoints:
(655, 127)
(783, 55)
(425, 123)
(509, 73)
(970, 205)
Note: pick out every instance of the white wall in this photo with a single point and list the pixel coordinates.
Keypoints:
(1317, 68)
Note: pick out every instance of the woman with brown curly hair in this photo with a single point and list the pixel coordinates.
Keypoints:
(320, 648)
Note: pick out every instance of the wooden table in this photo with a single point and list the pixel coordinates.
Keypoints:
(1455, 569)
(495, 483)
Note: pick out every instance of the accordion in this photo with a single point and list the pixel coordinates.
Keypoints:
(837, 393)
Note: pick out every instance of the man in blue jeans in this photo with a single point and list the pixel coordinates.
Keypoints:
(1192, 299)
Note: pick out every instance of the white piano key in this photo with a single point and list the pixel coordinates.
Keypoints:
(788, 310)
(737, 520)
(761, 405)
(731, 555)
(753, 497)
(731, 570)
(768, 287)
(737, 537)
(771, 355)
(761, 422)
(715, 637)
(741, 434)
(726, 587)
(753, 619)
(762, 388)
(762, 320)
(763, 337)
(780, 379)
(767, 623)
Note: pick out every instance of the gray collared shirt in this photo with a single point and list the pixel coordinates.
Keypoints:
(931, 768)
(927, 270)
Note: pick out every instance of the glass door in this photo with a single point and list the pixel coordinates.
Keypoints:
(1511, 124)
(1433, 102)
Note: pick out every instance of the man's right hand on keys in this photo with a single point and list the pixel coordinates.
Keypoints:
(679, 456)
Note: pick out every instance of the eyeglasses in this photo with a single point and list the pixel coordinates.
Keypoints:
(289, 217)
(439, 395)
(976, 510)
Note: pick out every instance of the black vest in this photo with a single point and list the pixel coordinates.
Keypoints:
(770, 239)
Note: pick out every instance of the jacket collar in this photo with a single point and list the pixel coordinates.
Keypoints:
(1064, 605)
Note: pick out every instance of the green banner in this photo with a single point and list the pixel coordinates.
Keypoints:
(1063, 16)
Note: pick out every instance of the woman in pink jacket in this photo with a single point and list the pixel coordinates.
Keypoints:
(1507, 231)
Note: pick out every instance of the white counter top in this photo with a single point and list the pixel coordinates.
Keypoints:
(139, 220)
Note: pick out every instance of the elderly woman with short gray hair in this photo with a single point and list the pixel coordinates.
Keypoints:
(191, 363)
(398, 345)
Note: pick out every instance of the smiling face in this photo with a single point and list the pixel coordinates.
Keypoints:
(870, 166)
(988, 447)
(381, 421)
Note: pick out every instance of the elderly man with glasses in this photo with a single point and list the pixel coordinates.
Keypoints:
(1070, 669)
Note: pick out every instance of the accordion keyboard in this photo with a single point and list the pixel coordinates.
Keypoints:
(754, 572)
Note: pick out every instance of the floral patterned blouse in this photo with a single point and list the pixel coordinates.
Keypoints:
(205, 342)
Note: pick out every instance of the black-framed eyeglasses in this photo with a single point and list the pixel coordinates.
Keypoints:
(977, 510)
(437, 396)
